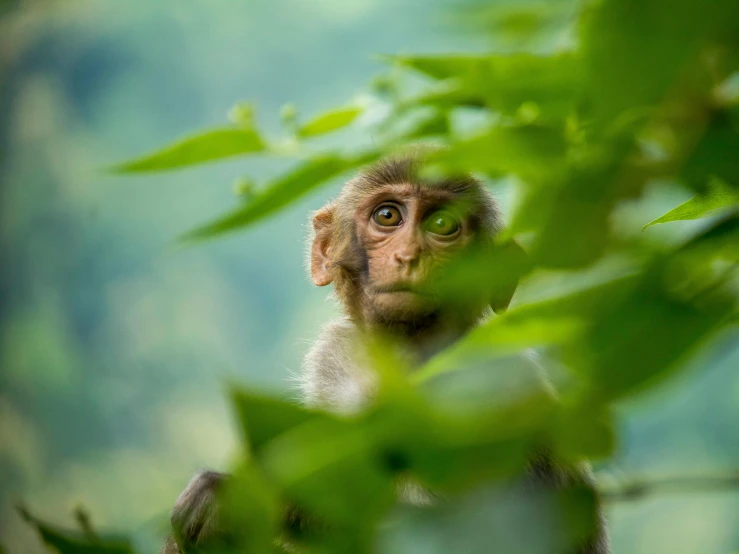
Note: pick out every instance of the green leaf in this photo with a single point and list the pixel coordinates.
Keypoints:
(568, 205)
(74, 542)
(483, 65)
(715, 156)
(677, 304)
(249, 512)
(205, 147)
(282, 192)
(329, 121)
(434, 124)
(448, 94)
(553, 321)
(584, 430)
(263, 418)
(524, 150)
(719, 196)
(636, 54)
(514, 24)
(504, 82)
(494, 517)
(330, 467)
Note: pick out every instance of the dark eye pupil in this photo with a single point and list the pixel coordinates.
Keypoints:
(441, 223)
(387, 217)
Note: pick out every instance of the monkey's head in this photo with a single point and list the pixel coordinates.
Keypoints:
(389, 231)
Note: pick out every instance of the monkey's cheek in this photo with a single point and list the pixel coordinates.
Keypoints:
(403, 305)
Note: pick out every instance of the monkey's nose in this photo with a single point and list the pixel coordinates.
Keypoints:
(408, 256)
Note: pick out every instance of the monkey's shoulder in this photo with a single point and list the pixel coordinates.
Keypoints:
(336, 372)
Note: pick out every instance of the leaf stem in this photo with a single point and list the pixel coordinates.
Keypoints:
(638, 489)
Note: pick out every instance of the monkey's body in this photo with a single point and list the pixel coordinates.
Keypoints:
(337, 376)
(379, 244)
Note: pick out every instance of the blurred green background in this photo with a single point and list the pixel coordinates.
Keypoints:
(115, 343)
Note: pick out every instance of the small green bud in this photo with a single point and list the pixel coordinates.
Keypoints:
(242, 114)
(289, 114)
(244, 187)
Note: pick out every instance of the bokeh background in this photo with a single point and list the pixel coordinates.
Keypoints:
(116, 343)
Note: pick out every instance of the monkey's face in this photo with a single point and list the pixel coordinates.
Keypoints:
(405, 232)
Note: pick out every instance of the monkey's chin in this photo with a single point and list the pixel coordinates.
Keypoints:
(402, 306)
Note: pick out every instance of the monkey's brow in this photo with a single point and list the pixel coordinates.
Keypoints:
(425, 192)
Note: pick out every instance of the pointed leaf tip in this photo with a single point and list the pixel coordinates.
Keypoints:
(719, 196)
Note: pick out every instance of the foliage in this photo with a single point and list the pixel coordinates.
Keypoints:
(84, 541)
(718, 197)
(642, 94)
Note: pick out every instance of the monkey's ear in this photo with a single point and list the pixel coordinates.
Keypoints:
(517, 263)
(320, 261)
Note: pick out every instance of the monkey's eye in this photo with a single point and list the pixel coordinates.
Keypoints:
(387, 216)
(442, 223)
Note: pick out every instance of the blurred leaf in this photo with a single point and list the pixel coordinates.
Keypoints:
(558, 320)
(642, 339)
(522, 23)
(452, 435)
(490, 518)
(526, 150)
(579, 501)
(330, 468)
(250, 510)
(507, 81)
(720, 241)
(282, 192)
(410, 123)
(68, 542)
(516, 22)
(482, 274)
(205, 147)
(263, 418)
(449, 93)
(447, 66)
(638, 52)
(569, 210)
(329, 121)
(719, 196)
(716, 153)
(665, 315)
(435, 124)
(585, 430)
(466, 460)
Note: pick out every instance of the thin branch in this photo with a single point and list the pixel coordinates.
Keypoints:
(638, 489)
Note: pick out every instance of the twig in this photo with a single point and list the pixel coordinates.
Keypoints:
(636, 490)
(83, 520)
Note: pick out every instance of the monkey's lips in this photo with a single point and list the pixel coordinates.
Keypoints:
(404, 296)
(403, 301)
(403, 288)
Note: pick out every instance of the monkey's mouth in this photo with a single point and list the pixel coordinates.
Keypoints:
(403, 287)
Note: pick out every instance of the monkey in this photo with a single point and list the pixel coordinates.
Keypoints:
(379, 243)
